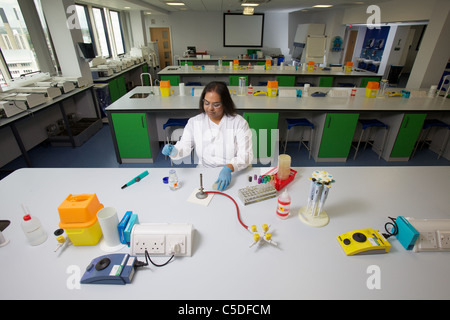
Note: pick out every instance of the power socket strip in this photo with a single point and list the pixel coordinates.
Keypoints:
(162, 239)
(434, 234)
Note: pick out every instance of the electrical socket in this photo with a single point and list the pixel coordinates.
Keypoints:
(427, 241)
(444, 239)
(162, 239)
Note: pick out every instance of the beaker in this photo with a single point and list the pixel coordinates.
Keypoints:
(242, 86)
(284, 166)
(383, 86)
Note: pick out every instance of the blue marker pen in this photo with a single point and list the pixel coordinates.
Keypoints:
(137, 179)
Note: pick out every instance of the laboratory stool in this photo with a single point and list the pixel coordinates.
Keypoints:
(300, 122)
(369, 124)
(170, 124)
(427, 126)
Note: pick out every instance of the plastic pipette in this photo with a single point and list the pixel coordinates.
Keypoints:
(136, 179)
(323, 197)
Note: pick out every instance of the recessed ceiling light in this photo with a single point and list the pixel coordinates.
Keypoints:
(323, 6)
(175, 3)
(248, 10)
(249, 4)
(126, 7)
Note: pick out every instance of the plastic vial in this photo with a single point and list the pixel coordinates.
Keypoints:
(284, 203)
(250, 89)
(33, 230)
(353, 92)
(173, 180)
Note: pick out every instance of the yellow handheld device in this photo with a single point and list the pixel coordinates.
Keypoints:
(363, 241)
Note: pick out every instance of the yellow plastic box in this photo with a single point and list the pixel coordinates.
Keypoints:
(164, 86)
(372, 89)
(78, 217)
(272, 88)
(84, 235)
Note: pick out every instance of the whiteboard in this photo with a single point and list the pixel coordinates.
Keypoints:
(315, 48)
(241, 30)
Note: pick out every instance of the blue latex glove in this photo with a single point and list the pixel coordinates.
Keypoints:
(169, 150)
(224, 178)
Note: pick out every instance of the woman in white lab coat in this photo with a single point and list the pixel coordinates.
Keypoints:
(219, 135)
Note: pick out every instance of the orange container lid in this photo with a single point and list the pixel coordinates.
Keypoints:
(164, 84)
(310, 63)
(268, 61)
(236, 61)
(349, 64)
(272, 84)
(373, 85)
(81, 225)
(79, 208)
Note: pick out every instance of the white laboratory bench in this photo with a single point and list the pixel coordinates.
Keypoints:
(258, 74)
(154, 111)
(308, 262)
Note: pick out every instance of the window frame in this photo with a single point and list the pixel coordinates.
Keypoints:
(105, 28)
(89, 25)
(121, 32)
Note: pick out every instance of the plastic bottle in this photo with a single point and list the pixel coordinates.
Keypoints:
(250, 89)
(284, 203)
(173, 180)
(33, 230)
(353, 92)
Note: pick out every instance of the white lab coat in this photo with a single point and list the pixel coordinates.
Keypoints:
(229, 142)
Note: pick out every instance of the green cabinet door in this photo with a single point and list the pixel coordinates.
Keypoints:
(174, 80)
(286, 81)
(408, 134)
(145, 78)
(131, 135)
(117, 88)
(262, 125)
(337, 135)
(234, 80)
(326, 82)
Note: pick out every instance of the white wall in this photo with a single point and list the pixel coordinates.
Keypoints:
(333, 27)
(204, 30)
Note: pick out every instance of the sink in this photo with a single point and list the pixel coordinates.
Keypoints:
(4, 224)
(139, 95)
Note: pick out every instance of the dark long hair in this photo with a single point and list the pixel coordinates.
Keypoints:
(221, 89)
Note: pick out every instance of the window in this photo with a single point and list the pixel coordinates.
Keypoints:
(100, 25)
(85, 24)
(16, 46)
(117, 31)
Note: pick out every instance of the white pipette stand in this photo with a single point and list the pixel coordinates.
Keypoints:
(314, 221)
(313, 214)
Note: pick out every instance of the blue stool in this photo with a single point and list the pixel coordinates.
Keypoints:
(369, 124)
(172, 122)
(427, 126)
(302, 122)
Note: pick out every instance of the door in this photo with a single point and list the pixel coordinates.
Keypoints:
(350, 46)
(162, 36)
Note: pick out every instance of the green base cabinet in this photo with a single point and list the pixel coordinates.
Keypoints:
(337, 135)
(117, 88)
(262, 125)
(407, 135)
(131, 135)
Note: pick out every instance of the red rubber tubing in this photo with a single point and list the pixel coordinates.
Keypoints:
(237, 208)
